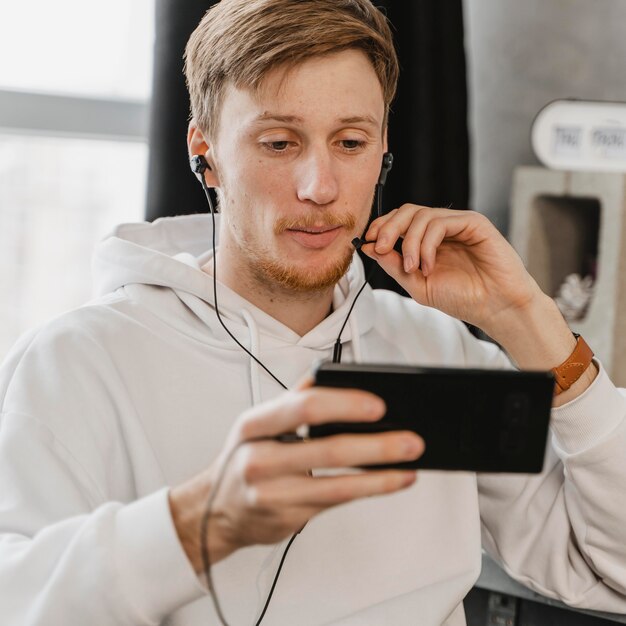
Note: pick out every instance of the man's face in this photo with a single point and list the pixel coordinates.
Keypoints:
(297, 164)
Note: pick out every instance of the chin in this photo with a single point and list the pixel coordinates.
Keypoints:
(305, 279)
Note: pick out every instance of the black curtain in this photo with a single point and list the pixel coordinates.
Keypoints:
(428, 123)
(172, 188)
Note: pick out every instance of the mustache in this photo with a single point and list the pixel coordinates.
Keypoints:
(308, 221)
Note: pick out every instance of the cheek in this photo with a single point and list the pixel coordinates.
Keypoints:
(270, 182)
(360, 196)
(260, 181)
(269, 194)
(254, 204)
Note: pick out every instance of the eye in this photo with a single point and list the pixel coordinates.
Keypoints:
(276, 146)
(351, 145)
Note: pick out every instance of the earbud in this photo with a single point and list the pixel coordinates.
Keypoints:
(198, 164)
(385, 168)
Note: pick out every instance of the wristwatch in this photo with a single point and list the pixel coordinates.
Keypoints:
(566, 374)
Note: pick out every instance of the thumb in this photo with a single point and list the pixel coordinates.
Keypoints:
(304, 383)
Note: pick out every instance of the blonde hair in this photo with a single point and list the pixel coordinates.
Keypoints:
(239, 41)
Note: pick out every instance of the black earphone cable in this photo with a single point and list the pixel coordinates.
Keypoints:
(204, 524)
(379, 212)
(217, 311)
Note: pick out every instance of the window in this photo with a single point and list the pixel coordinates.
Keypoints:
(73, 146)
(96, 49)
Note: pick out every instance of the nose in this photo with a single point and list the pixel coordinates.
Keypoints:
(317, 178)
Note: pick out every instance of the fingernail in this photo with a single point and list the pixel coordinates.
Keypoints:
(408, 263)
(409, 479)
(412, 448)
(374, 407)
(381, 243)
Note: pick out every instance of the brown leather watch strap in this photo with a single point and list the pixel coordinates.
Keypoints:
(566, 374)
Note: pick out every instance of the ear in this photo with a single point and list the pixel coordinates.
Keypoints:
(197, 144)
(385, 145)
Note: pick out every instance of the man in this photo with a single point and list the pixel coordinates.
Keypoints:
(120, 418)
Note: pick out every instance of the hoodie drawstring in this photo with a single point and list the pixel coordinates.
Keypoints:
(255, 378)
(357, 356)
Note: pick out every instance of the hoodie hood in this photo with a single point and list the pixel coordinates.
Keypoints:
(169, 253)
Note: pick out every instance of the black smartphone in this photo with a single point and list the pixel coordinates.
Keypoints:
(477, 420)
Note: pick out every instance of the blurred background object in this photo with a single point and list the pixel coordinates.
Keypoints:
(522, 55)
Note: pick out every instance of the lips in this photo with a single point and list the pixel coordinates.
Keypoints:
(315, 230)
(315, 237)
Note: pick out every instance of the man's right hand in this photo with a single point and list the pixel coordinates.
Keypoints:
(267, 491)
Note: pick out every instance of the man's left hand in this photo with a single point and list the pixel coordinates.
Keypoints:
(458, 262)
(454, 261)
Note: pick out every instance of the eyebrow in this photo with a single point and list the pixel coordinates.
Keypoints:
(286, 119)
(294, 119)
(359, 119)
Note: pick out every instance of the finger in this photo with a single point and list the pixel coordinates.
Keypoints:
(316, 405)
(375, 226)
(395, 227)
(412, 242)
(269, 459)
(436, 231)
(388, 229)
(413, 238)
(392, 263)
(305, 382)
(327, 491)
(334, 490)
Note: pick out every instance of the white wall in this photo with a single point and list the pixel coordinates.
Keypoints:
(522, 54)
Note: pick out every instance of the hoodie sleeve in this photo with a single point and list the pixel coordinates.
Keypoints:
(67, 557)
(563, 532)
(76, 545)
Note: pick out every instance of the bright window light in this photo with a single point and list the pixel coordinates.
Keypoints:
(95, 49)
(51, 217)
(61, 193)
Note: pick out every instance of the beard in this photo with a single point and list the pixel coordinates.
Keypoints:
(293, 279)
(279, 273)
(275, 272)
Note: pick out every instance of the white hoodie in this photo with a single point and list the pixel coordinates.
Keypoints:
(107, 406)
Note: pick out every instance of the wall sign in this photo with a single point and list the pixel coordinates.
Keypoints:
(581, 135)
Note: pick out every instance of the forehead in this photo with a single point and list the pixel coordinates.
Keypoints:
(338, 86)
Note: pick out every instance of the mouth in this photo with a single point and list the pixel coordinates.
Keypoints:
(314, 236)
